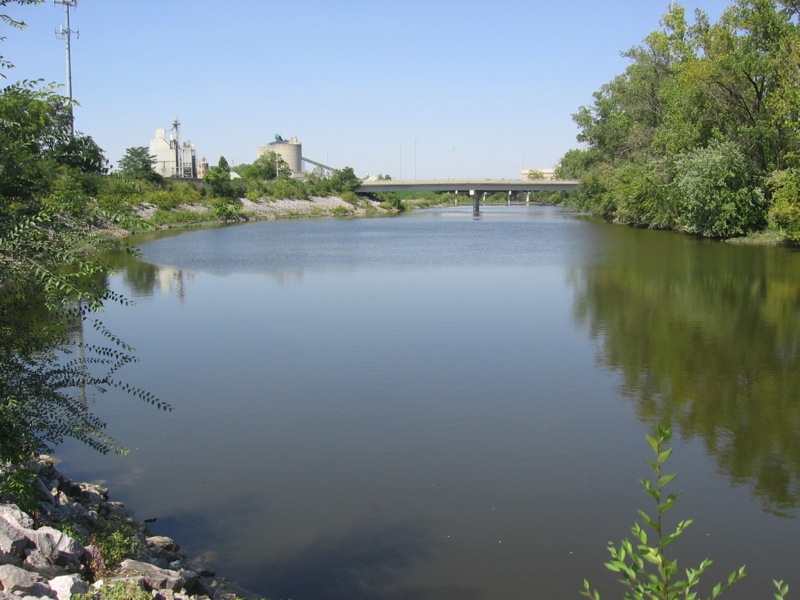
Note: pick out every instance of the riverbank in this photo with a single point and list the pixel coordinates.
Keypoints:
(77, 543)
(264, 209)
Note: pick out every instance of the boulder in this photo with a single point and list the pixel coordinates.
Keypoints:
(66, 586)
(13, 540)
(15, 579)
(154, 577)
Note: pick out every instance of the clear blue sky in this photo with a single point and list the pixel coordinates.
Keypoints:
(484, 88)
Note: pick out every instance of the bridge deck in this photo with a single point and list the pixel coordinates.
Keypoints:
(468, 185)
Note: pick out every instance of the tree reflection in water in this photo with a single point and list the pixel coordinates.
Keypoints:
(706, 336)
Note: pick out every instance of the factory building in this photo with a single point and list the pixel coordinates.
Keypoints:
(290, 151)
(173, 158)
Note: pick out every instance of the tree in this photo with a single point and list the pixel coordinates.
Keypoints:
(35, 126)
(82, 154)
(266, 167)
(219, 178)
(784, 213)
(344, 180)
(695, 99)
(137, 163)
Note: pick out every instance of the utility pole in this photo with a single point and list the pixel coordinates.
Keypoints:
(66, 33)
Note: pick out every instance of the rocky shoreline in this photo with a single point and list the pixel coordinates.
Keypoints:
(317, 206)
(39, 560)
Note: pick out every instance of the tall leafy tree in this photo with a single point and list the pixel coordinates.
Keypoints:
(697, 95)
(137, 163)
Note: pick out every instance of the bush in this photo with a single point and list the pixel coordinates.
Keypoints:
(718, 197)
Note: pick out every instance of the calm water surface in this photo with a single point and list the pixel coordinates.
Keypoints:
(438, 407)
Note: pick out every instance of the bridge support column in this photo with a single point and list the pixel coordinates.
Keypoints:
(456, 200)
(476, 201)
(528, 198)
(508, 200)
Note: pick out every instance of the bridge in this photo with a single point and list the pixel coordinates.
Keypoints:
(477, 188)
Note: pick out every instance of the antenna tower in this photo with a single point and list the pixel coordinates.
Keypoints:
(66, 33)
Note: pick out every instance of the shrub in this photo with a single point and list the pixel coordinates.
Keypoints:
(646, 570)
(718, 197)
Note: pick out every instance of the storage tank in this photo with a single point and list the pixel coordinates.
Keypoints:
(291, 151)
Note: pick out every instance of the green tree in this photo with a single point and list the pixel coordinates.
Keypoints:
(751, 76)
(784, 214)
(344, 180)
(137, 163)
(696, 95)
(219, 178)
(35, 128)
(266, 167)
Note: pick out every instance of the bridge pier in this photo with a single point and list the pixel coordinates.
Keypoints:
(508, 200)
(476, 201)
(456, 200)
(528, 198)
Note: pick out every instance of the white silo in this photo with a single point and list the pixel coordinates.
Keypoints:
(289, 150)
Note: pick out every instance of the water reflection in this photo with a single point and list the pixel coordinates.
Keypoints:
(364, 563)
(706, 337)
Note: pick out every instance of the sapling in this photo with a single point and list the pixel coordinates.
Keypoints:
(647, 573)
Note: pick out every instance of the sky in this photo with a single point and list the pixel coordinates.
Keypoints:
(425, 89)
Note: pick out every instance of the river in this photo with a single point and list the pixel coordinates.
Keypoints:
(437, 406)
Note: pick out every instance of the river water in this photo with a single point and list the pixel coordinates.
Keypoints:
(438, 406)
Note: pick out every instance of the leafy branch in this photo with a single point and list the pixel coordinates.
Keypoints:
(647, 573)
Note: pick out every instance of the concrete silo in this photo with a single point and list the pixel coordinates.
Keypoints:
(289, 150)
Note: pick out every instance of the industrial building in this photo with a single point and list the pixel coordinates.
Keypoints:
(173, 158)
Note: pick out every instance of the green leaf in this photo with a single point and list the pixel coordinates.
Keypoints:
(665, 479)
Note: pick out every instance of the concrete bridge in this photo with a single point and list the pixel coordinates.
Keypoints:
(476, 188)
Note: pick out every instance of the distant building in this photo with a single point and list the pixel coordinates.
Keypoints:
(548, 174)
(173, 158)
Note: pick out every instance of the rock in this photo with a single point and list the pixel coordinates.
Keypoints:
(154, 577)
(163, 542)
(15, 516)
(60, 542)
(9, 559)
(68, 585)
(37, 560)
(13, 540)
(15, 579)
